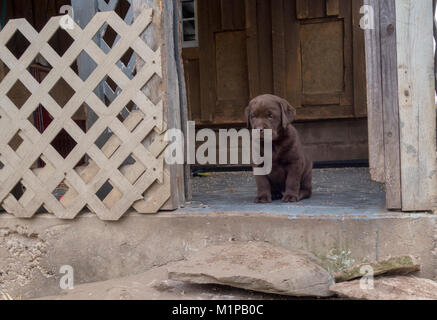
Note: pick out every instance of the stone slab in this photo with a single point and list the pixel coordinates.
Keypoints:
(388, 288)
(256, 266)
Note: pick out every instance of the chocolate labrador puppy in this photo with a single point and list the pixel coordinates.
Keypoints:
(291, 176)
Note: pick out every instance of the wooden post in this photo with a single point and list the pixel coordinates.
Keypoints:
(374, 96)
(390, 105)
(182, 89)
(417, 115)
(382, 100)
(162, 34)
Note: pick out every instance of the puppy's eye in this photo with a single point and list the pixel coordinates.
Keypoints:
(270, 116)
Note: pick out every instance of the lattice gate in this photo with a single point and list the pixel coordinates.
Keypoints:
(133, 169)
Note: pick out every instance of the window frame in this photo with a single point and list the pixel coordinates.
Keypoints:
(190, 43)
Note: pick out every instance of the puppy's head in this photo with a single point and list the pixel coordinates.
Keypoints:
(270, 112)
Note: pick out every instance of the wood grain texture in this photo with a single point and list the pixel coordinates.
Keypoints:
(415, 65)
(293, 65)
(332, 7)
(183, 96)
(265, 52)
(390, 103)
(168, 90)
(207, 59)
(313, 59)
(231, 64)
(252, 48)
(374, 97)
(278, 39)
(302, 9)
(232, 14)
(359, 61)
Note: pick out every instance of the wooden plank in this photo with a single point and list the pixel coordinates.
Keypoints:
(232, 14)
(293, 68)
(163, 35)
(191, 67)
(279, 60)
(415, 65)
(359, 62)
(183, 97)
(252, 48)
(231, 65)
(265, 53)
(390, 104)
(317, 9)
(302, 9)
(346, 13)
(207, 60)
(173, 102)
(332, 7)
(324, 57)
(374, 97)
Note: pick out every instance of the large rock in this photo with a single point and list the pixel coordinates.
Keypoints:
(401, 265)
(256, 266)
(389, 288)
(154, 285)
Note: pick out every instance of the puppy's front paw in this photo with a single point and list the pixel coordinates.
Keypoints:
(288, 197)
(265, 198)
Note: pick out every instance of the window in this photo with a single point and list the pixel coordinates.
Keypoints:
(189, 23)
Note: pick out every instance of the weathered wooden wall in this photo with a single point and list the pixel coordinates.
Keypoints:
(383, 104)
(417, 113)
(401, 91)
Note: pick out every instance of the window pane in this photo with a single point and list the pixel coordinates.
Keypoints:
(188, 9)
(189, 31)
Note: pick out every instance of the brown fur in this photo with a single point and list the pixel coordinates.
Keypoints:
(291, 176)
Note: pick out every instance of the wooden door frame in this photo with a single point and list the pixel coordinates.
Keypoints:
(401, 106)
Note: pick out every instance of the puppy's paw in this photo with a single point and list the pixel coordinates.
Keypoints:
(265, 198)
(288, 197)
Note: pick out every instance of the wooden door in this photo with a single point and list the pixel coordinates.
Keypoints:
(223, 66)
(318, 57)
(310, 52)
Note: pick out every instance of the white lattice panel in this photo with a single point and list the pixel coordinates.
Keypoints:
(130, 180)
(129, 67)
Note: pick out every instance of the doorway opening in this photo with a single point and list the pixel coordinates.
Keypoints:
(310, 53)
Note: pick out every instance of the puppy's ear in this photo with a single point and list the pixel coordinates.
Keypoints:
(247, 113)
(288, 113)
